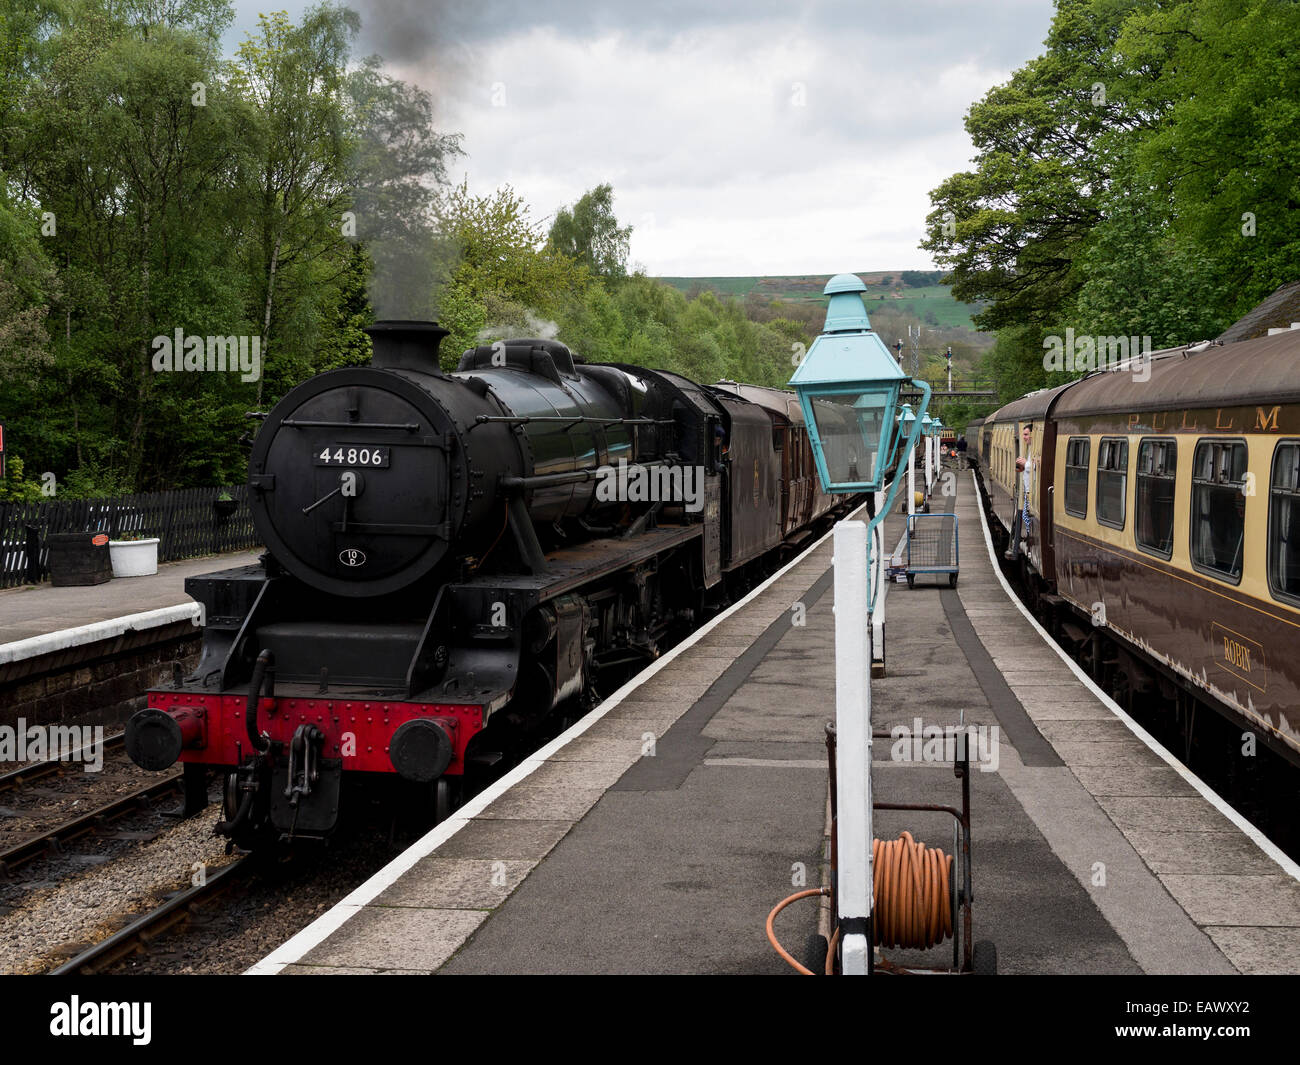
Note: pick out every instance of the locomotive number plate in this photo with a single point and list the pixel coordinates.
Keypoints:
(370, 455)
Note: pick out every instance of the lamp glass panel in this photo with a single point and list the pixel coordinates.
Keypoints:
(849, 427)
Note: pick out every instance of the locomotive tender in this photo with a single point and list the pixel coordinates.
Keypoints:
(446, 566)
(1163, 515)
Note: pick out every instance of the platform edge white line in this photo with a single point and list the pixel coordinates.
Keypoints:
(109, 628)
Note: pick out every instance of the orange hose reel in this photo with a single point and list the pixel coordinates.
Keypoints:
(912, 898)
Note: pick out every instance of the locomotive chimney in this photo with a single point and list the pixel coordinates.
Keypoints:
(402, 345)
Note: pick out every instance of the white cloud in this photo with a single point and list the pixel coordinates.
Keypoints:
(740, 139)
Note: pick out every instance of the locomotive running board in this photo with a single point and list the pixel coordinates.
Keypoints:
(569, 568)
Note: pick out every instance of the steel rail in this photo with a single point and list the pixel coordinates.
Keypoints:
(141, 932)
(65, 831)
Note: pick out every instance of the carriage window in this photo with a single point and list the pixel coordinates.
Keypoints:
(1284, 523)
(1076, 476)
(1156, 466)
(1219, 507)
(1112, 481)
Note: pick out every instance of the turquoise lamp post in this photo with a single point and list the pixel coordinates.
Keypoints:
(927, 431)
(906, 420)
(936, 429)
(848, 386)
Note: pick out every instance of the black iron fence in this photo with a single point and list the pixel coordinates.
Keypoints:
(188, 522)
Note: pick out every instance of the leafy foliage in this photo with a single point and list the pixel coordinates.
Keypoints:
(1137, 179)
(589, 233)
(151, 189)
(148, 186)
(502, 264)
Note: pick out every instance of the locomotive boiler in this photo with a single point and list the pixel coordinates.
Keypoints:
(455, 558)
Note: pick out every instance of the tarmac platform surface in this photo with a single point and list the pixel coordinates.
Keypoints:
(656, 835)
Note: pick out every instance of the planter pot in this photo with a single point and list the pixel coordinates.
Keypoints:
(225, 507)
(79, 559)
(134, 558)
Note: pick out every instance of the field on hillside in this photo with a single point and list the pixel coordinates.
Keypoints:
(932, 304)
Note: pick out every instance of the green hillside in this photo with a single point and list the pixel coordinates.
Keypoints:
(924, 297)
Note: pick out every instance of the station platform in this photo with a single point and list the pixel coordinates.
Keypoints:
(86, 655)
(656, 835)
(35, 612)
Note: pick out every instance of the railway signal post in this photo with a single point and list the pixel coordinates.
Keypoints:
(848, 386)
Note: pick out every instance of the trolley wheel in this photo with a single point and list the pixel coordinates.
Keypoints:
(911, 580)
(952, 580)
(984, 959)
(814, 953)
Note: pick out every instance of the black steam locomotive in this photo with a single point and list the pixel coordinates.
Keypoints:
(454, 558)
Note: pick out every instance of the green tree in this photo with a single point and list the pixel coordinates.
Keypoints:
(28, 283)
(1138, 178)
(1144, 281)
(344, 341)
(1225, 162)
(590, 234)
(130, 172)
(14, 486)
(146, 186)
(294, 75)
(498, 254)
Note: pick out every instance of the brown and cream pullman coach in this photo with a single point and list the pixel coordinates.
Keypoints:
(1165, 510)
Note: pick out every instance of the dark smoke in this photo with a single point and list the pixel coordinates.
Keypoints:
(401, 163)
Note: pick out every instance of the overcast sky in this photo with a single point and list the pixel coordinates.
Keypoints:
(757, 137)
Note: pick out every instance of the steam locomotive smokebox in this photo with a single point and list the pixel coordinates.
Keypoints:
(79, 558)
(400, 345)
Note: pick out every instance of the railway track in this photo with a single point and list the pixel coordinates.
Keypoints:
(139, 934)
(53, 840)
(29, 774)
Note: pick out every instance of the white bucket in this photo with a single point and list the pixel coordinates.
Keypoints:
(133, 558)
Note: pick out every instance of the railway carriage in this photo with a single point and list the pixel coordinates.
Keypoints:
(1164, 511)
(1016, 497)
(802, 500)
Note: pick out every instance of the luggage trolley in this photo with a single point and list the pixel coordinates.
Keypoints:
(932, 547)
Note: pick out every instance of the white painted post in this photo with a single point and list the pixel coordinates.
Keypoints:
(853, 741)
